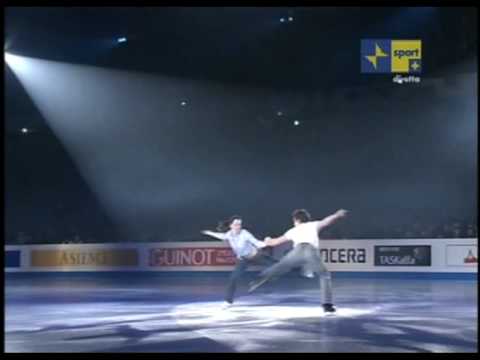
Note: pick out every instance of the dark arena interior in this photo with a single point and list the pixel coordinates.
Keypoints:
(241, 179)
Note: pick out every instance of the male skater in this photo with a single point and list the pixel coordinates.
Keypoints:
(305, 253)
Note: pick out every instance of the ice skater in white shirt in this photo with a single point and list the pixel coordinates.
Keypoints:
(305, 253)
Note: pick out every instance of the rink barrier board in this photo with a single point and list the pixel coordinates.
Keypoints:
(380, 257)
(118, 275)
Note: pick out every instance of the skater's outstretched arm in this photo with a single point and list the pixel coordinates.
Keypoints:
(276, 241)
(216, 235)
(329, 220)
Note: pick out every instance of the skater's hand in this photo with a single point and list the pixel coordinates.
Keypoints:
(342, 212)
(216, 235)
(269, 241)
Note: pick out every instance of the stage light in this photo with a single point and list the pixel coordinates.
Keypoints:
(296, 123)
(9, 58)
(122, 39)
(282, 19)
(16, 62)
(24, 130)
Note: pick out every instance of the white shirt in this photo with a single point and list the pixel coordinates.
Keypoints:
(304, 233)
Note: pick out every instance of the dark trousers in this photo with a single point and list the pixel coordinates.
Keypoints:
(262, 258)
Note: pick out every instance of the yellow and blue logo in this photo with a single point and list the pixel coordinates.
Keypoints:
(391, 56)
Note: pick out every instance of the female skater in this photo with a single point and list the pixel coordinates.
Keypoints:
(248, 250)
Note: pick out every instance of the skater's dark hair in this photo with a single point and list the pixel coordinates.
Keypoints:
(301, 215)
(224, 226)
